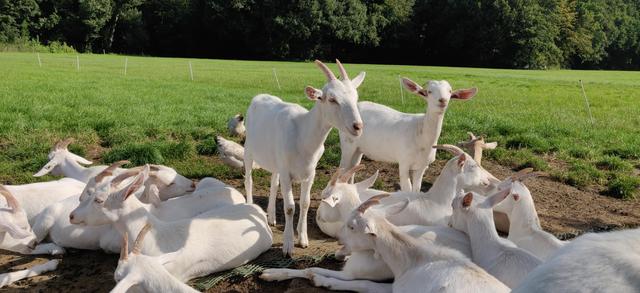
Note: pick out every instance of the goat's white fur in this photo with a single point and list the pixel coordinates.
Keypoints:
(62, 162)
(525, 230)
(145, 272)
(287, 140)
(417, 265)
(473, 214)
(594, 262)
(220, 239)
(231, 153)
(408, 138)
(10, 278)
(364, 265)
(236, 125)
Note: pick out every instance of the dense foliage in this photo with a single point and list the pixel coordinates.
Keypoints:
(486, 33)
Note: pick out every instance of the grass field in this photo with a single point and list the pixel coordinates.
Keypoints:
(157, 114)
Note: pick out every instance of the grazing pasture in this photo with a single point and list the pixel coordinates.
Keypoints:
(157, 114)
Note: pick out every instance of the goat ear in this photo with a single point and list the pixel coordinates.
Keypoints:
(137, 183)
(370, 229)
(496, 198)
(46, 169)
(331, 201)
(14, 231)
(467, 199)
(367, 183)
(166, 258)
(313, 93)
(464, 94)
(491, 145)
(413, 87)
(153, 195)
(396, 208)
(81, 160)
(357, 81)
(461, 160)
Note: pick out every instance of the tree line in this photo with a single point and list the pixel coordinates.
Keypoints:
(536, 34)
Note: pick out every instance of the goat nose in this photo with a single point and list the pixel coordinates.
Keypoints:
(441, 100)
(358, 126)
(71, 217)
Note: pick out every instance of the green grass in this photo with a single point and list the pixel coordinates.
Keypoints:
(157, 114)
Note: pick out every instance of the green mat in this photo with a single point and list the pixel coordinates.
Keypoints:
(271, 259)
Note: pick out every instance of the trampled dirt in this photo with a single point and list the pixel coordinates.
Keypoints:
(564, 211)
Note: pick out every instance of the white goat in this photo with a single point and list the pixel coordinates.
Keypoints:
(287, 140)
(365, 265)
(476, 145)
(217, 240)
(35, 197)
(408, 138)
(236, 125)
(594, 262)
(62, 162)
(433, 208)
(231, 153)
(336, 204)
(525, 230)
(61, 224)
(10, 278)
(143, 271)
(170, 184)
(417, 266)
(472, 214)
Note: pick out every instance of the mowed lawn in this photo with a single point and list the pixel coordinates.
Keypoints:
(156, 113)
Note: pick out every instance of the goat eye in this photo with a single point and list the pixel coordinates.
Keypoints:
(428, 92)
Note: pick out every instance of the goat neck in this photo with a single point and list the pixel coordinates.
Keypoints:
(485, 241)
(429, 132)
(314, 128)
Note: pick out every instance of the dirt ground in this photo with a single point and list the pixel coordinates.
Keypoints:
(564, 211)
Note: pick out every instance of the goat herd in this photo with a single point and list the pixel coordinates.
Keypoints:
(444, 240)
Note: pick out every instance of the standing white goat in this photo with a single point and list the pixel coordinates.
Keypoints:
(594, 262)
(145, 272)
(472, 214)
(408, 138)
(217, 240)
(417, 266)
(62, 162)
(288, 141)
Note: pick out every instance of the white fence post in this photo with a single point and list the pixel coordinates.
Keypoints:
(190, 70)
(276, 76)
(586, 100)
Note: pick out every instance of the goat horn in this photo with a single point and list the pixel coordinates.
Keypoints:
(12, 202)
(471, 135)
(343, 72)
(520, 173)
(344, 178)
(124, 175)
(335, 176)
(109, 170)
(124, 251)
(138, 242)
(63, 144)
(327, 72)
(456, 151)
(374, 200)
